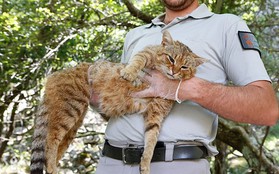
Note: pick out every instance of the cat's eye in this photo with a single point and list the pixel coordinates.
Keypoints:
(171, 59)
(184, 67)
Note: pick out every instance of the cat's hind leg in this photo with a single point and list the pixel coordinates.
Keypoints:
(55, 136)
(68, 138)
(57, 132)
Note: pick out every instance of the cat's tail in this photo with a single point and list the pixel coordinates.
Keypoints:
(39, 140)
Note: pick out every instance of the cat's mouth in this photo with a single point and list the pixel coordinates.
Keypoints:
(170, 76)
(173, 77)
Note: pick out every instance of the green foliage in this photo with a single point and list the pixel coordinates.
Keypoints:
(153, 7)
(272, 143)
(39, 37)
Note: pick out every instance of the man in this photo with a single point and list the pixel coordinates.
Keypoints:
(232, 51)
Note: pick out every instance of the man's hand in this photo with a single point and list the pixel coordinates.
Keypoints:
(254, 103)
(159, 86)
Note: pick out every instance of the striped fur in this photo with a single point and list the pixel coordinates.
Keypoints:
(176, 61)
(59, 115)
(67, 94)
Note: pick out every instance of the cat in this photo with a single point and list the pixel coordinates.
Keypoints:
(67, 97)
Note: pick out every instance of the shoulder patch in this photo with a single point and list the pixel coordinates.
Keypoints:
(248, 41)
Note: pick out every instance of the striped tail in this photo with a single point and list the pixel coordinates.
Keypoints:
(39, 140)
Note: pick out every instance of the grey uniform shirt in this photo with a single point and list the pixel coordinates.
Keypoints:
(211, 36)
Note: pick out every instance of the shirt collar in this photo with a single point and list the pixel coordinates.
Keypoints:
(199, 13)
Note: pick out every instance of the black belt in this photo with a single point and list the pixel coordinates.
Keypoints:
(132, 155)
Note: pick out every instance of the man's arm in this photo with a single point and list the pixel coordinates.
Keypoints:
(254, 103)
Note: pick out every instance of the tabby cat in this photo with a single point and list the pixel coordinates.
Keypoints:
(67, 95)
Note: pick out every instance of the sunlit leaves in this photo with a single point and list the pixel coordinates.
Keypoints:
(10, 22)
(153, 7)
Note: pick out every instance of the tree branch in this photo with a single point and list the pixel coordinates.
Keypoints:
(9, 133)
(236, 136)
(218, 7)
(36, 66)
(136, 12)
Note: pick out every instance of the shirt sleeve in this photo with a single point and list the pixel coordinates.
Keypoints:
(129, 43)
(124, 56)
(242, 66)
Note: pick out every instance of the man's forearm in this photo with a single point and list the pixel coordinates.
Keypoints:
(254, 103)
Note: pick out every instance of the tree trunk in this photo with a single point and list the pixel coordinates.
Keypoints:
(220, 163)
(237, 137)
(218, 6)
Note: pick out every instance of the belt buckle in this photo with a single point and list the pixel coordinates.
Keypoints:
(136, 153)
(123, 155)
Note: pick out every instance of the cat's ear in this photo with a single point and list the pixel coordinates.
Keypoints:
(167, 39)
(200, 60)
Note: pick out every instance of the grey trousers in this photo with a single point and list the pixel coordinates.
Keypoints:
(111, 166)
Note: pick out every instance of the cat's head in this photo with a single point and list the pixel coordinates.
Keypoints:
(177, 60)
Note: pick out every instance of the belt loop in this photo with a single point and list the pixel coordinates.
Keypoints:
(169, 151)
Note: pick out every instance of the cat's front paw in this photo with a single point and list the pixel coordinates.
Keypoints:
(129, 75)
(144, 170)
(144, 167)
(137, 82)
